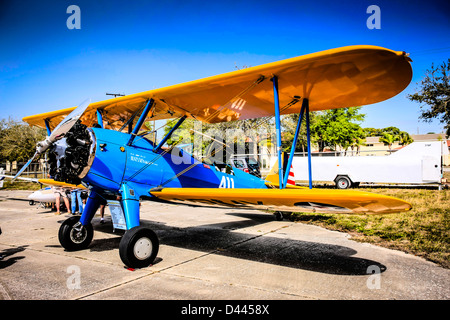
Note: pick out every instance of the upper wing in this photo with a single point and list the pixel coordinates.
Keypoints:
(291, 200)
(336, 78)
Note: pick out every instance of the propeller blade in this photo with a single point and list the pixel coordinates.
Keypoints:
(59, 132)
(24, 167)
(64, 126)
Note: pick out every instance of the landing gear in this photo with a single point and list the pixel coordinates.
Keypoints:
(138, 247)
(279, 216)
(74, 236)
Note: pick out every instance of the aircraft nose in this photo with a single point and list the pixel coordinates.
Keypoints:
(71, 158)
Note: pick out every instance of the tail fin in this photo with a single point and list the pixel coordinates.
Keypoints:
(273, 178)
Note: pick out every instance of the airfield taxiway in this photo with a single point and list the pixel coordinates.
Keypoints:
(205, 254)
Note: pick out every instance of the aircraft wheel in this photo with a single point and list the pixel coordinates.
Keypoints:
(74, 236)
(138, 247)
(31, 202)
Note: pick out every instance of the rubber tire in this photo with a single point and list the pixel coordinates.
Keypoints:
(343, 182)
(65, 233)
(279, 216)
(128, 242)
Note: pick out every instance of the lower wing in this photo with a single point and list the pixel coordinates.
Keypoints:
(291, 200)
(51, 182)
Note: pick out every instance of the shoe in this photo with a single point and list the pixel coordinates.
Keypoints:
(102, 221)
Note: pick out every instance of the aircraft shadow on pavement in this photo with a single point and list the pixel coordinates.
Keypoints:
(217, 239)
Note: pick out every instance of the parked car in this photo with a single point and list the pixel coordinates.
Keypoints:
(247, 164)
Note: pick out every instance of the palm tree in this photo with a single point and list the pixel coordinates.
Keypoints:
(389, 139)
(405, 138)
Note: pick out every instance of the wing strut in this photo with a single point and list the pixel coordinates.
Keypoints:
(175, 127)
(308, 138)
(100, 118)
(47, 126)
(140, 121)
(283, 176)
(278, 128)
(294, 143)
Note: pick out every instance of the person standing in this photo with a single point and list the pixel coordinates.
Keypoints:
(60, 192)
(75, 196)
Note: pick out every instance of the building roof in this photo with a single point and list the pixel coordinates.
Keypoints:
(429, 137)
(372, 139)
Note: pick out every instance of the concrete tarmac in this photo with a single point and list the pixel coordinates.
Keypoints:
(205, 254)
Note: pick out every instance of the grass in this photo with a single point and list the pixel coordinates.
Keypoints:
(424, 231)
(20, 185)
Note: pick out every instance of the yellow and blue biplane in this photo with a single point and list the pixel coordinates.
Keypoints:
(96, 143)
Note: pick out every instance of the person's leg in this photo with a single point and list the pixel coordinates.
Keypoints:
(66, 202)
(57, 203)
(80, 202)
(73, 197)
(102, 213)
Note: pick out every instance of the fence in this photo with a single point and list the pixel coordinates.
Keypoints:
(36, 169)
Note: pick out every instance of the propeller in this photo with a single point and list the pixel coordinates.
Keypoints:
(59, 132)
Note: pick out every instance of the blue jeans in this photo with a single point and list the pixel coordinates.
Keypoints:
(76, 197)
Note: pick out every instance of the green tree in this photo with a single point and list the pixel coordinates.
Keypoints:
(183, 131)
(405, 138)
(389, 135)
(434, 95)
(289, 124)
(389, 139)
(338, 128)
(18, 140)
(372, 132)
(391, 130)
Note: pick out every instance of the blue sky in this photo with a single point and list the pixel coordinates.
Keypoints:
(132, 46)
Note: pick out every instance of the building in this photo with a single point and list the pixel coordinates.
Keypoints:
(373, 146)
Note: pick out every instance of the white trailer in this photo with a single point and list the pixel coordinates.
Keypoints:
(417, 163)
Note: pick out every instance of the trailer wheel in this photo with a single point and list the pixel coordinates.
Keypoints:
(343, 182)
